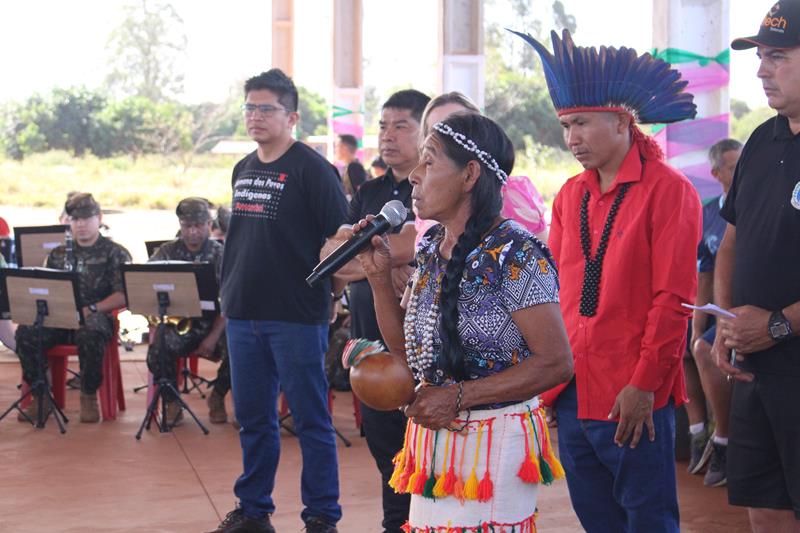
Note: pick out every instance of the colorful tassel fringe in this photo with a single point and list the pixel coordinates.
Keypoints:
(416, 470)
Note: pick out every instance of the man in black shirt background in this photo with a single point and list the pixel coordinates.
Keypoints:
(287, 200)
(353, 173)
(399, 146)
(757, 277)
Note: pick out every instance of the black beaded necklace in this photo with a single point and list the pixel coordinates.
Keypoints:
(593, 268)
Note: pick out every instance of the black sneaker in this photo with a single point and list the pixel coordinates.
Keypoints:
(701, 452)
(237, 522)
(318, 525)
(717, 475)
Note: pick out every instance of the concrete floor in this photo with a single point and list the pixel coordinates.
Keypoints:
(98, 478)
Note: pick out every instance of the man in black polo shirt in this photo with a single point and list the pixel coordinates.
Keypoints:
(758, 277)
(399, 147)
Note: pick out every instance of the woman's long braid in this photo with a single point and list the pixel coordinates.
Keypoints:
(486, 202)
(452, 351)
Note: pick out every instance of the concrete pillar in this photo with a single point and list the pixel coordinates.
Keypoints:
(283, 36)
(461, 48)
(693, 35)
(348, 86)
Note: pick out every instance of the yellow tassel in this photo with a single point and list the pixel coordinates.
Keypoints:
(548, 453)
(438, 488)
(471, 487)
(399, 462)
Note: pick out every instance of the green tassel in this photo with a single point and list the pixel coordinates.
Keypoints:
(427, 492)
(547, 474)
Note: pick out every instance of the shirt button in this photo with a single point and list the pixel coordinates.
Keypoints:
(580, 325)
(394, 193)
(601, 202)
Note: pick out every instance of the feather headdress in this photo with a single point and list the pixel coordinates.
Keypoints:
(612, 79)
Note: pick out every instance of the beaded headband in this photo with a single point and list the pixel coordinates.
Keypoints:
(470, 146)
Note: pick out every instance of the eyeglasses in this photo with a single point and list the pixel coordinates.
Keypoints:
(266, 110)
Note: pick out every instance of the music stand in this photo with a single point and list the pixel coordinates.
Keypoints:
(164, 288)
(40, 297)
(152, 246)
(33, 243)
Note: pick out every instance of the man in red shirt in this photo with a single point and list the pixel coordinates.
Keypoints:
(624, 235)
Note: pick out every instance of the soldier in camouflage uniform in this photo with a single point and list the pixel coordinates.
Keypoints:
(206, 337)
(97, 261)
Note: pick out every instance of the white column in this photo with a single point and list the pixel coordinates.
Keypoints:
(348, 87)
(461, 48)
(689, 28)
(283, 36)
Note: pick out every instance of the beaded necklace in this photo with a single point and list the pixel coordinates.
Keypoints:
(419, 340)
(593, 268)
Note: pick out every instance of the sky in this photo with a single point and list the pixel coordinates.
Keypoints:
(53, 43)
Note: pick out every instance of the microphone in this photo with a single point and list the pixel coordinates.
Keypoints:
(392, 214)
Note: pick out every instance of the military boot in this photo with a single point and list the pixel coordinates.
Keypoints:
(216, 408)
(89, 412)
(32, 410)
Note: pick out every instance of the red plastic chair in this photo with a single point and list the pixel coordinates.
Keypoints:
(111, 393)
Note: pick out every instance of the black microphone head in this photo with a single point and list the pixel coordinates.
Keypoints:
(394, 212)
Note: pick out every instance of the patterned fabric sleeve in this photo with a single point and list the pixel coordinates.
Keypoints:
(119, 256)
(528, 277)
(426, 246)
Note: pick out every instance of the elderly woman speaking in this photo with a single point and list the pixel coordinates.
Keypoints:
(481, 329)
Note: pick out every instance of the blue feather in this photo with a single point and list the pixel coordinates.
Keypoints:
(580, 76)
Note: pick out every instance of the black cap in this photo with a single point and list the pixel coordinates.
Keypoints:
(193, 209)
(780, 28)
(82, 205)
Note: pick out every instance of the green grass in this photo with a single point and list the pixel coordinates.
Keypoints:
(147, 182)
(159, 182)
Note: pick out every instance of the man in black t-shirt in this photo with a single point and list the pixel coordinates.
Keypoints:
(354, 175)
(756, 276)
(287, 200)
(399, 145)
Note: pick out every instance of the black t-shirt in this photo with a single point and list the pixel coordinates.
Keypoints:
(764, 205)
(281, 214)
(354, 178)
(369, 200)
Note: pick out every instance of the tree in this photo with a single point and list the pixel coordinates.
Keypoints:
(73, 119)
(146, 51)
(22, 127)
(313, 114)
(516, 91)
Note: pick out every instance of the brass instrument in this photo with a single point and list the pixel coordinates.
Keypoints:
(183, 325)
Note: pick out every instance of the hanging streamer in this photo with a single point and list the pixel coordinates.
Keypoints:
(698, 134)
(676, 56)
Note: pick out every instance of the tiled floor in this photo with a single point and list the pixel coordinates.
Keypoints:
(98, 478)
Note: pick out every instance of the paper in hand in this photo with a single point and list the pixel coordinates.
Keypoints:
(712, 309)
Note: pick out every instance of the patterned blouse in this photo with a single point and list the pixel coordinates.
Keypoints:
(508, 271)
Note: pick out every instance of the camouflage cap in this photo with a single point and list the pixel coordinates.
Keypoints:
(82, 205)
(193, 209)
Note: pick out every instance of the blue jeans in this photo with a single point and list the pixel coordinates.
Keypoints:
(617, 489)
(265, 356)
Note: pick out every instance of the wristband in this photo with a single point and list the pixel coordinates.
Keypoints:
(460, 396)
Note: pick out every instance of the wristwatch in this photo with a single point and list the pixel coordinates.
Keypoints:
(779, 328)
(92, 308)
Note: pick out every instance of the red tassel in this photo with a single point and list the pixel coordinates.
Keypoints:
(449, 480)
(485, 488)
(528, 471)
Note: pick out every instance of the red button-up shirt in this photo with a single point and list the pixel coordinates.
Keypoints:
(638, 335)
